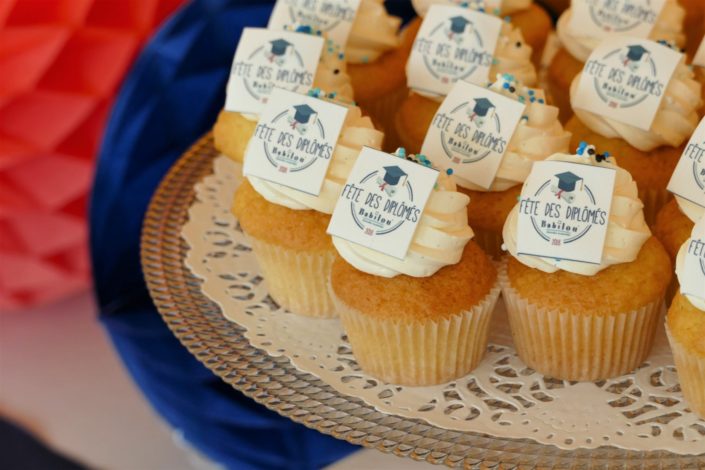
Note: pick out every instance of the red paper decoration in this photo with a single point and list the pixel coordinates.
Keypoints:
(61, 63)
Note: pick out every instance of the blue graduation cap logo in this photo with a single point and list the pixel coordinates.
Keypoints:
(458, 24)
(566, 184)
(457, 27)
(391, 179)
(634, 56)
(277, 51)
(303, 117)
(279, 46)
(482, 110)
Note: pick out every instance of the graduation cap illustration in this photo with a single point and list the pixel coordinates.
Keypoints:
(303, 116)
(566, 184)
(634, 55)
(458, 24)
(279, 46)
(392, 178)
(483, 109)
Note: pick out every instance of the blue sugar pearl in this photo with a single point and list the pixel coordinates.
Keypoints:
(541, 101)
(531, 92)
(505, 86)
(449, 171)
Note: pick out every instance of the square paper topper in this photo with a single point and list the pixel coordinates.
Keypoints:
(294, 141)
(381, 204)
(265, 60)
(564, 211)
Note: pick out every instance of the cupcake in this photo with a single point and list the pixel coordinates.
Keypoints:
(650, 156)
(538, 135)
(574, 320)
(685, 324)
(423, 319)
(512, 55)
(232, 130)
(287, 228)
(531, 19)
(577, 46)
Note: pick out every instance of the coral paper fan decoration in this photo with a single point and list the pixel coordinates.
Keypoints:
(62, 62)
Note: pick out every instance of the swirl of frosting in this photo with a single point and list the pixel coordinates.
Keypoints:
(357, 132)
(626, 230)
(440, 237)
(675, 119)
(697, 302)
(668, 27)
(692, 210)
(497, 7)
(538, 135)
(373, 33)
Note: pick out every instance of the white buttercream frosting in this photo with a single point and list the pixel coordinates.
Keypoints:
(697, 302)
(373, 33)
(674, 122)
(538, 135)
(439, 240)
(499, 7)
(626, 230)
(668, 27)
(357, 132)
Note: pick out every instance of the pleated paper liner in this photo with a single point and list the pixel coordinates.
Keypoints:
(569, 346)
(419, 352)
(297, 280)
(691, 374)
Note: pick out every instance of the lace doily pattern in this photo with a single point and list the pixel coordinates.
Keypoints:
(642, 411)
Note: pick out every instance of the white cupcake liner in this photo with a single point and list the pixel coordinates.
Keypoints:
(419, 352)
(569, 346)
(297, 280)
(691, 374)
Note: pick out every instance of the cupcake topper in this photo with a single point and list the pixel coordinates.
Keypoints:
(589, 150)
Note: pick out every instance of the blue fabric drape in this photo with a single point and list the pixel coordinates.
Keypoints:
(170, 98)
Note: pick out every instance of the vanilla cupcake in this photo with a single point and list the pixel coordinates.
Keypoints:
(685, 326)
(576, 47)
(538, 136)
(650, 156)
(531, 19)
(232, 130)
(423, 319)
(511, 56)
(287, 228)
(579, 321)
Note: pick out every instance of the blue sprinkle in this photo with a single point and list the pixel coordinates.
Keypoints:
(541, 101)
(531, 92)
(341, 56)
(449, 171)
(505, 86)
(532, 99)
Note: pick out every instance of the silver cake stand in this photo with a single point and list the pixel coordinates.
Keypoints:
(272, 381)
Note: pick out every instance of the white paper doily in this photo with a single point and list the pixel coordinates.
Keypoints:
(502, 397)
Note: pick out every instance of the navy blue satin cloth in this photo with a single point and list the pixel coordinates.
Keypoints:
(170, 98)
